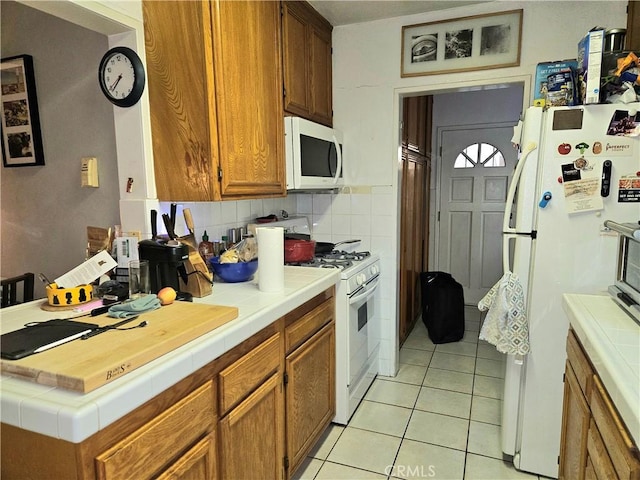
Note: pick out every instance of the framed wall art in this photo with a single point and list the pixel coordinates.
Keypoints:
(20, 125)
(477, 42)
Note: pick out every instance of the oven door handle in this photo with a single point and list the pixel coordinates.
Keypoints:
(368, 288)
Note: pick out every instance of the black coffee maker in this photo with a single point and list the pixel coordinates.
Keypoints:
(166, 256)
(166, 262)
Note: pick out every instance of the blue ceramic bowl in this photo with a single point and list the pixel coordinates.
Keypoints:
(234, 272)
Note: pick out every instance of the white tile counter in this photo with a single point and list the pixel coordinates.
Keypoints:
(75, 416)
(611, 338)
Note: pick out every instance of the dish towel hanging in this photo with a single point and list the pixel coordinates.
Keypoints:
(505, 325)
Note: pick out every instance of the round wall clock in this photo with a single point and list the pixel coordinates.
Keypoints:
(121, 76)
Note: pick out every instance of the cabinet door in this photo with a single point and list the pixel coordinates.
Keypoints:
(619, 444)
(310, 393)
(575, 426)
(407, 248)
(413, 237)
(151, 448)
(197, 464)
(296, 59)
(182, 99)
(248, 73)
(597, 456)
(307, 63)
(320, 72)
(632, 40)
(416, 123)
(252, 435)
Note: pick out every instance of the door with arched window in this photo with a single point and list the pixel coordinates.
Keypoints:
(475, 166)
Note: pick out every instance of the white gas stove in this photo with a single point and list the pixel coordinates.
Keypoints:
(357, 336)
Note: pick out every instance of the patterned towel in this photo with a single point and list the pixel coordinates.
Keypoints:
(506, 324)
(135, 307)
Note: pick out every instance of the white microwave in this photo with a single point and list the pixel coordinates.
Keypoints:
(314, 155)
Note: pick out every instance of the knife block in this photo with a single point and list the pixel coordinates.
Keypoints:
(199, 279)
(164, 261)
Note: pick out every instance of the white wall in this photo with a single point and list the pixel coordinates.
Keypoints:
(367, 84)
(45, 211)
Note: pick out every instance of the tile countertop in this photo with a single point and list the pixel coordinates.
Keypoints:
(611, 338)
(74, 416)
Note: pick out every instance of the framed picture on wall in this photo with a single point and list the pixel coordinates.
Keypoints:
(20, 125)
(463, 44)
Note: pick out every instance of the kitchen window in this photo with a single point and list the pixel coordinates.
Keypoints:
(483, 154)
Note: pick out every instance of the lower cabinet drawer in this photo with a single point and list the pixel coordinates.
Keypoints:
(301, 330)
(243, 376)
(618, 443)
(150, 449)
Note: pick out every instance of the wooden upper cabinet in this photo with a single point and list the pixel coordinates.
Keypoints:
(632, 39)
(248, 66)
(216, 105)
(414, 132)
(307, 62)
(182, 99)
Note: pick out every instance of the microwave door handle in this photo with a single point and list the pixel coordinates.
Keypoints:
(339, 155)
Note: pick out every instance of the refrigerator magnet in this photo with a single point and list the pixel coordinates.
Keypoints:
(570, 173)
(629, 189)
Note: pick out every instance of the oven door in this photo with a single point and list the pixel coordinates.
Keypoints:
(360, 341)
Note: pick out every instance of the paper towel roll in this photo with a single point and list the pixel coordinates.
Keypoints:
(270, 259)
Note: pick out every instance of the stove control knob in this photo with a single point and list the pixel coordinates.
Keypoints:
(361, 278)
(374, 270)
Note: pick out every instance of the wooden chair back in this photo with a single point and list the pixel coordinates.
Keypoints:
(17, 290)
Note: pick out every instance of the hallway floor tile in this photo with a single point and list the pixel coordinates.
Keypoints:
(438, 418)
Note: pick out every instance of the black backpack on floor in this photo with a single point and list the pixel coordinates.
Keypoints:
(442, 307)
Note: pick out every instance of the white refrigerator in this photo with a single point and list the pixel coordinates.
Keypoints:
(555, 241)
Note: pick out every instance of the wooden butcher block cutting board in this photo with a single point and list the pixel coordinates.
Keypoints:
(84, 365)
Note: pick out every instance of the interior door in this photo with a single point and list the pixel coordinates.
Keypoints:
(476, 166)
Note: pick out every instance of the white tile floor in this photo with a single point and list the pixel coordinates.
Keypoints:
(438, 418)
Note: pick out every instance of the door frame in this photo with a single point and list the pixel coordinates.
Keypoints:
(438, 186)
(437, 88)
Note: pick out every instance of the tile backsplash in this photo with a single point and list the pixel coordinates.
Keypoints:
(365, 213)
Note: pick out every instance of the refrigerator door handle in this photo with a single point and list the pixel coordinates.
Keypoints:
(530, 147)
(505, 252)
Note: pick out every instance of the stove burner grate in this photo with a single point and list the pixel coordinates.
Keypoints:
(335, 259)
(342, 255)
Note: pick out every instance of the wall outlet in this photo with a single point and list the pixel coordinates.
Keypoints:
(89, 172)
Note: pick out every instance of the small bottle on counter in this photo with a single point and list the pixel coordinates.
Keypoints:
(205, 248)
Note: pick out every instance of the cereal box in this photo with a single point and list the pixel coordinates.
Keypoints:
(590, 66)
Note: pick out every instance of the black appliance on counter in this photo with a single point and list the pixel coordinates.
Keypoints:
(166, 262)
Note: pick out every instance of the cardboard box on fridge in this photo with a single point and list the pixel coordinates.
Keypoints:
(543, 70)
(590, 66)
